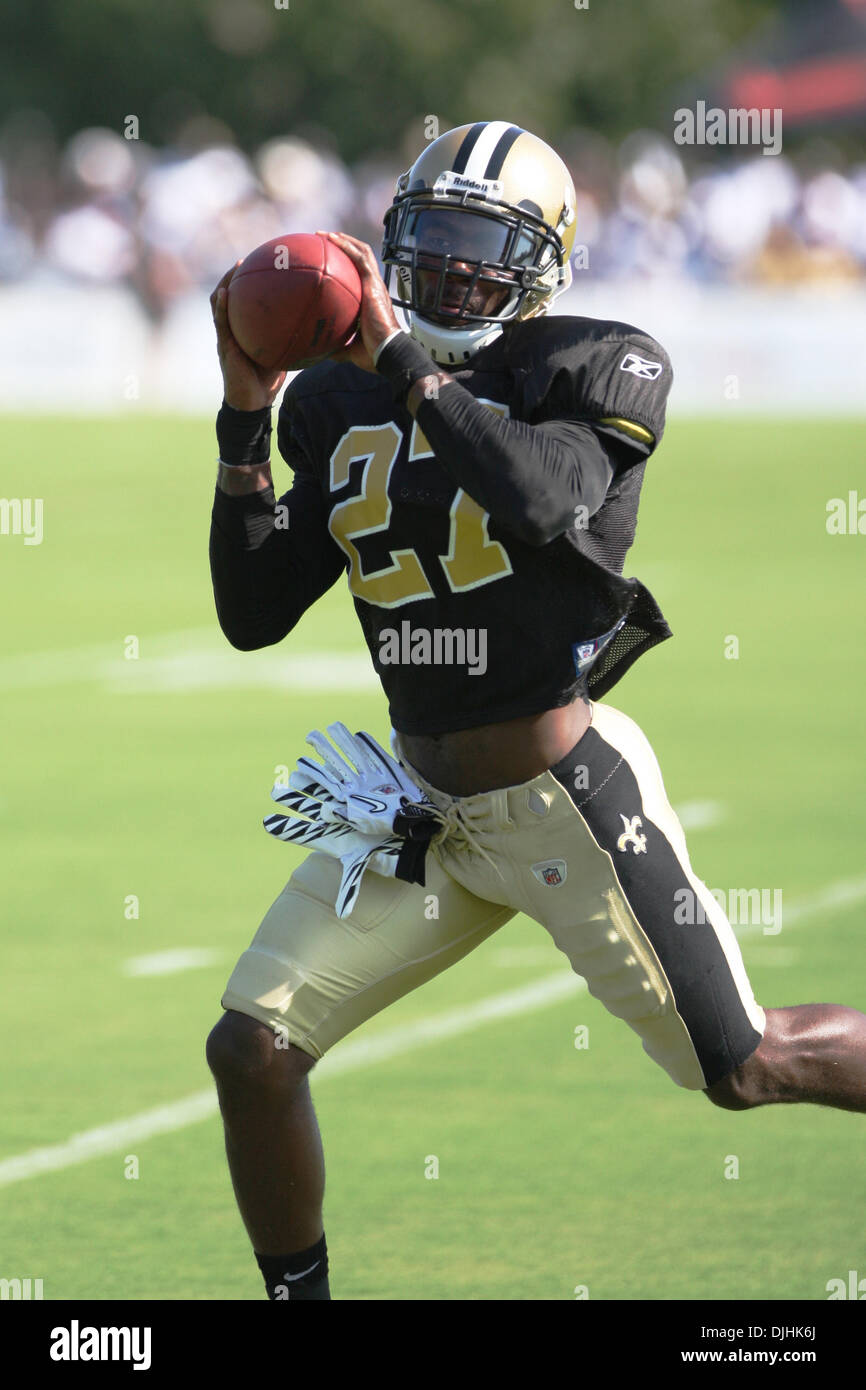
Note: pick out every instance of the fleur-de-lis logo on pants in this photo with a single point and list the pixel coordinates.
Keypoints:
(630, 836)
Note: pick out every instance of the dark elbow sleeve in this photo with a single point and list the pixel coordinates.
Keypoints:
(248, 627)
(246, 634)
(265, 576)
(246, 621)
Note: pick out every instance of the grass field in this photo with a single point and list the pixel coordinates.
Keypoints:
(138, 785)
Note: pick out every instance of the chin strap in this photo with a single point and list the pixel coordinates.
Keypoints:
(449, 347)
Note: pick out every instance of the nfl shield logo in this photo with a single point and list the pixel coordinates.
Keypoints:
(552, 872)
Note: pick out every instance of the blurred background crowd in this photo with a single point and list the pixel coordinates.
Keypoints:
(144, 150)
(101, 209)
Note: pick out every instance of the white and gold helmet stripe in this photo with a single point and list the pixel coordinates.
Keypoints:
(482, 152)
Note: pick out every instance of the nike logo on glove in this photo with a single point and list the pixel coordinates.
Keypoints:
(377, 807)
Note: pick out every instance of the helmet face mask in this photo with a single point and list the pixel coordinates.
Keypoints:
(459, 262)
(467, 259)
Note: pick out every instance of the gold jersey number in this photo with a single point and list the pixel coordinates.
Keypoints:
(472, 559)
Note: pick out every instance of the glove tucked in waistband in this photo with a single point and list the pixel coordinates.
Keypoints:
(359, 805)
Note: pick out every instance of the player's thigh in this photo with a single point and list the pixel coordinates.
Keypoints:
(650, 939)
(313, 977)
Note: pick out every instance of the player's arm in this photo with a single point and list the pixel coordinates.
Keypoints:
(529, 478)
(269, 561)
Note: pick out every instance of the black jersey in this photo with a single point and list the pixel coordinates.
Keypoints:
(483, 541)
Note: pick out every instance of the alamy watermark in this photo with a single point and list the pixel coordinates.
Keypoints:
(852, 1287)
(737, 126)
(21, 1289)
(438, 646)
(846, 516)
(22, 516)
(77, 1343)
(743, 907)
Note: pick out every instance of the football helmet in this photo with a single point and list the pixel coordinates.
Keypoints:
(479, 234)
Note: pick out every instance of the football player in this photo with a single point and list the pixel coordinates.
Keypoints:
(476, 474)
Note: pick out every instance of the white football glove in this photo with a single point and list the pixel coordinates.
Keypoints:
(350, 812)
(367, 786)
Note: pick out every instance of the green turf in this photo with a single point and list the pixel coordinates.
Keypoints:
(558, 1167)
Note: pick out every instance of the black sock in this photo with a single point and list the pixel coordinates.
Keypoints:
(303, 1275)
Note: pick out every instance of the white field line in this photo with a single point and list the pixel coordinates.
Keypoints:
(95, 1143)
(352, 1056)
(179, 662)
(173, 961)
(699, 815)
(835, 895)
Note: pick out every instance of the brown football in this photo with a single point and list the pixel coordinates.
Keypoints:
(294, 301)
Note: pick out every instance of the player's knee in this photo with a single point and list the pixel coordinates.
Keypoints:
(744, 1088)
(242, 1050)
(771, 1074)
(729, 1094)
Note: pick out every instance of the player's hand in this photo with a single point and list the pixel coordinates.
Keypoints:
(378, 320)
(247, 386)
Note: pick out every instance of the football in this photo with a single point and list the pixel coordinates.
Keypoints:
(294, 301)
